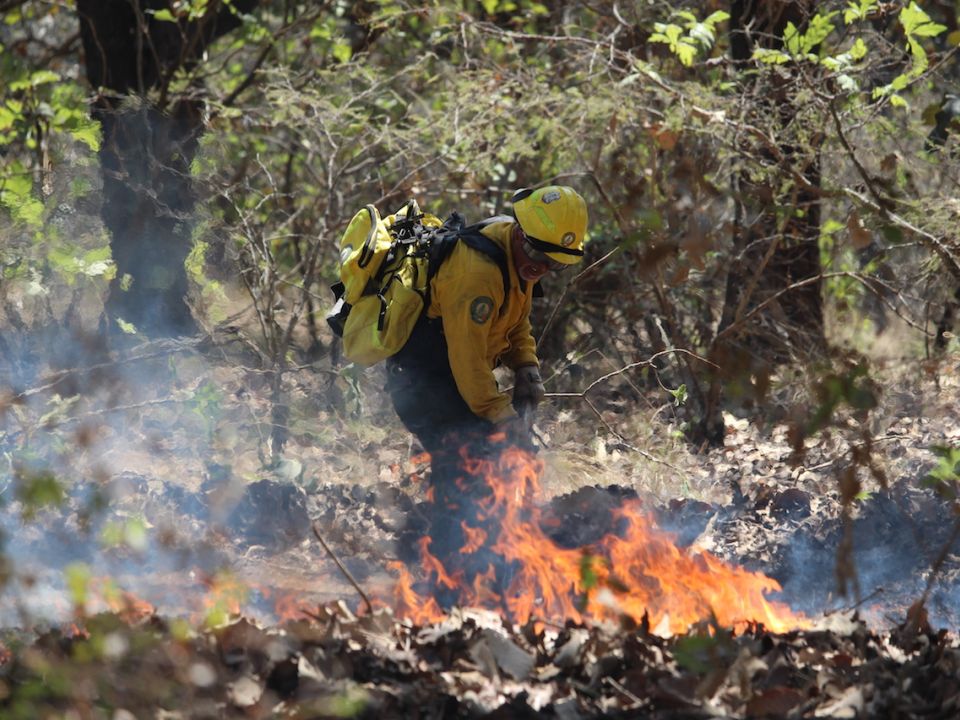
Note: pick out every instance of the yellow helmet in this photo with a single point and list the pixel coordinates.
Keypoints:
(554, 219)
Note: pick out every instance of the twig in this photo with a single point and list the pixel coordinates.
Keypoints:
(637, 702)
(936, 244)
(251, 75)
(941, 558)
(573, 281)
(861, 601)
(343, 569)
(167, 347)
(733, 327)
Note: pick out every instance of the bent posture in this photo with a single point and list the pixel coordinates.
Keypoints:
(442, 382)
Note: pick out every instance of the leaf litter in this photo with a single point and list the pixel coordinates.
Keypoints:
(875, 652)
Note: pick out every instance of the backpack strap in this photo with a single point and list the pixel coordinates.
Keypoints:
(453, 232)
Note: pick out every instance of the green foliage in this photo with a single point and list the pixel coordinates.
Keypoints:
(708, 648)
(916, 24)
(130, 533)
(206, 404)
(78, 577)
(945, 477)
(40, 103)
(310, 119)
(690, 36)
(37, 490)
(817, 30)
(16, 194)
(679, 395)
(859, 10)
(589, 580)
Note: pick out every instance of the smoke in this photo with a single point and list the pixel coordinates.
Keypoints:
(897, 536)
(117, 463)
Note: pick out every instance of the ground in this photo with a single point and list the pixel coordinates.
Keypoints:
(175, 505)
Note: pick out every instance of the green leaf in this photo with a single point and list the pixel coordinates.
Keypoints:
(831, 226)
(686, 53)
(321, 31)
(916, 22)
(818, 30)
(696, 652)
(792, 39)
(25, 209)
(164, 15)
(920, 62)
(716, 17)
(42, 77)
(679, 395)
(859, 50)
(770, 57)
(135, 534)
(128, 328)
(89, 134)
(342, 52)
(7, 118)
(37, 490)
(892, 234)
(859, 11)
(588, 575)
(847, 83)
(78, 578)
(703, 34)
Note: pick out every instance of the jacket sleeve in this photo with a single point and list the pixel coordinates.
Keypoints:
(469, 307)
(523, 348)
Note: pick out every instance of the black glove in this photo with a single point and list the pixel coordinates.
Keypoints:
(527, 389)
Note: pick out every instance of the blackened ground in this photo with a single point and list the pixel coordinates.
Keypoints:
(263, 531)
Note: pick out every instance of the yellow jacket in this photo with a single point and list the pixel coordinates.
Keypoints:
(467, 294)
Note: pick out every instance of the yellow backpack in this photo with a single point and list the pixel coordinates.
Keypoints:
(386, 264)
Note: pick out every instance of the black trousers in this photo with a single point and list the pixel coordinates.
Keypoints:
(425, 394)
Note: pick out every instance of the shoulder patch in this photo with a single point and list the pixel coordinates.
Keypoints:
(480, 309)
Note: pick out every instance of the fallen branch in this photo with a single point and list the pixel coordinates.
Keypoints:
(343, 569)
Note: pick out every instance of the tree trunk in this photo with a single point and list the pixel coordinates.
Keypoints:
(147, 148)
(773, 309)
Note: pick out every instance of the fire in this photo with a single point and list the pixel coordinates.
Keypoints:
(639, 572)
(129, 607)
(476, 537)
(225, 595)
(291, 606)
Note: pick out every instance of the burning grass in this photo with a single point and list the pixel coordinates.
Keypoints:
(506, 562)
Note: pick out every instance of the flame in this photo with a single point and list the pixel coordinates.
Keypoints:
(639, 572)
(225, 595)
(291, 606)
(73, 630)
(407, 602)
(476, 537)
(129, 607)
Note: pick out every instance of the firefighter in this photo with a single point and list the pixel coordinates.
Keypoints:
(442, 382)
